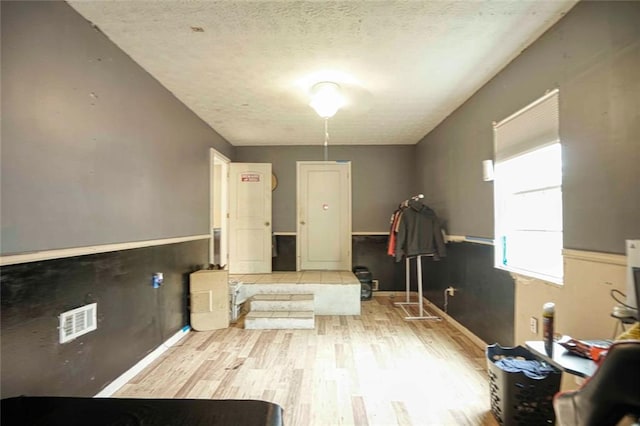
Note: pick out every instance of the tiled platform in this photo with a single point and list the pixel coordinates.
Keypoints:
(336, 292)
(303, 277)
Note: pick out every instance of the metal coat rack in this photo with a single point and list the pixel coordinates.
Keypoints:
(423, 313)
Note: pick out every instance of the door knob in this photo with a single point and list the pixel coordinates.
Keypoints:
(302, 222)
(267, 224)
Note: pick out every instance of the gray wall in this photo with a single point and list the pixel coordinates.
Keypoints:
(94, 150)
(383, 176)
(593, 56)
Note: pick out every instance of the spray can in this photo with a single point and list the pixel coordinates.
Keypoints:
(548, 314)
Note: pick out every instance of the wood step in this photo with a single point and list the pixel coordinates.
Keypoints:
(282, 302)
(279, 320)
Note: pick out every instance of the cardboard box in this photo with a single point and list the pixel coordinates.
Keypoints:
(209, 294)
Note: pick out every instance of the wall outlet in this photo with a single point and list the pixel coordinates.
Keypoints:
(533, 325)
(451, 291)
(157, 279)
(375, 285)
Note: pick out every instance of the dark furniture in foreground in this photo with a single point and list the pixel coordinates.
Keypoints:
(610, 394)
(70, 411)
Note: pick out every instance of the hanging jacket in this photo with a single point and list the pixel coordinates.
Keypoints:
(419, 233)
(394, 221)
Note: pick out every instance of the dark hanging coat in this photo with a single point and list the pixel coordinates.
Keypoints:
(419, 233)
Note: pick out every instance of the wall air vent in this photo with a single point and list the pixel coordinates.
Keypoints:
(77, 322)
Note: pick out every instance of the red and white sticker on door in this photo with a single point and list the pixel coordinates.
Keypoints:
(249, 177)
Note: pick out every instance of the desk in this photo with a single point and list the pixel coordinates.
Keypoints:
(563, 359)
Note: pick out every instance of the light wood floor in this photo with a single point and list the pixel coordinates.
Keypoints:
(372, 369)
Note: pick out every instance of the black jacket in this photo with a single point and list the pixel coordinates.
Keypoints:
(419, 233)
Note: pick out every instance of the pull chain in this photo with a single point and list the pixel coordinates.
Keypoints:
(326, 139)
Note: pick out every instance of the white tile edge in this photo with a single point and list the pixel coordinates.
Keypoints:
(81, 251)
(125, 377)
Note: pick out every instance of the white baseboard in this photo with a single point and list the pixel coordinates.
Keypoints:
(114, 386)
(461, 328)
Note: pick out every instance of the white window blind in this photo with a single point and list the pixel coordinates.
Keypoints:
(528, 191)
(533, 127)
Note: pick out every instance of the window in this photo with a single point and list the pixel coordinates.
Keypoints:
(528, 191)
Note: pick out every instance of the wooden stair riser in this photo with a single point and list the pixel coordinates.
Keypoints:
(281, 305)
(278, 320)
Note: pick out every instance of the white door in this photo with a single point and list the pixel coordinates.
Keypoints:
(219, 202)
(324, 215)
(250, 218)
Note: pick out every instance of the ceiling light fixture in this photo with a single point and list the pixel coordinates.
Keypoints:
(326, 100)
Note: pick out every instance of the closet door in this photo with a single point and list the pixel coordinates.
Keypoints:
(324, 216)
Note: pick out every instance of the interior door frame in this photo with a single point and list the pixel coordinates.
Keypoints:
(299, 219)
(217, 159)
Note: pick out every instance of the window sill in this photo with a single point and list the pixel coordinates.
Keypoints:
(528, 275)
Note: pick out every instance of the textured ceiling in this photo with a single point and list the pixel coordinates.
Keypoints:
(245, 67)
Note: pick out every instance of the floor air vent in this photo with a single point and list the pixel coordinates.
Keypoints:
(77, 322)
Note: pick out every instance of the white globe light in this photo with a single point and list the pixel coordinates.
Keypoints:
(326, 99)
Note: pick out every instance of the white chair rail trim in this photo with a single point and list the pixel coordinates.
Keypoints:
(81, 251)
